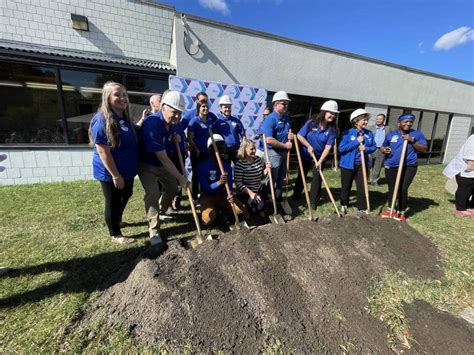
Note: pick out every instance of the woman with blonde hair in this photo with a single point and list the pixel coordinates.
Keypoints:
(248, 173)
(115, 158)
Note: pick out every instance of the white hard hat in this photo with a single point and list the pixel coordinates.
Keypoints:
(225, 100)
(217, 138)
(280, 96)
(358, 112)
(330, 106)
(175, 100)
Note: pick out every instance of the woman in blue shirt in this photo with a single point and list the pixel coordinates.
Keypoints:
(115, 158)
(198, 134)
(356, 142)
(316, 136)
(392, 146)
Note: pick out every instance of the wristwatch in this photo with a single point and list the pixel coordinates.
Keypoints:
(413, 139)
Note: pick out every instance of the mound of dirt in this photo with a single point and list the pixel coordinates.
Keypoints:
(437, 332)
(303, 283)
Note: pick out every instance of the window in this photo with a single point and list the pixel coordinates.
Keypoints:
(29, 111)
(82, 94)
(139, 91)
(392, 117)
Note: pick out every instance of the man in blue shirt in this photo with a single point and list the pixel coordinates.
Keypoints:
(377, 157)
(229, 127)
(189, 115)
(276, 129)
(155, 166)
(214, 198)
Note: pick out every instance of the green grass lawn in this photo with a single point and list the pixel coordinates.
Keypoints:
(54, 238)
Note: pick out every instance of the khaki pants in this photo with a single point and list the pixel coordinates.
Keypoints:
(210, 204)
(156, 200)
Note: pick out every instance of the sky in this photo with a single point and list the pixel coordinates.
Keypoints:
(431, 35)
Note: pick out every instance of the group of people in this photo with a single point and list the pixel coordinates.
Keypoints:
(223, 157)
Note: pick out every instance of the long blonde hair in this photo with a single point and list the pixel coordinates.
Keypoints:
(111, 126)
(241, 153)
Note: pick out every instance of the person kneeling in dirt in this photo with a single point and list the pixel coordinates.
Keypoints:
(214, 198)
(248, 173)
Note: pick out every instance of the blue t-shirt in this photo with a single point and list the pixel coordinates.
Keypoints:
(317, 137)
(276, 126)
(394, 140)
(189, 115)
(200, 130)
(209, 174)
(231, 129)
(153, 137)
(170, 146)
(125, 154)
(349, 148)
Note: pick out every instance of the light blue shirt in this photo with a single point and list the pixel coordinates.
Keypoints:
(379, 136)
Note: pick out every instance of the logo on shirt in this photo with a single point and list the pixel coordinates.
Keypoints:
(394, 139)
(353, 138)
(203, 125)
(212, 174)
(123, 127)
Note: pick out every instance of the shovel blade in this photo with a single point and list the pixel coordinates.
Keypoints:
(286, 207)
(276, 219)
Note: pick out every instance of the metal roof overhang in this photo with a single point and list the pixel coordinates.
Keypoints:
(55, 55)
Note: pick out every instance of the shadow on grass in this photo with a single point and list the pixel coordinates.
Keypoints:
(85, 274)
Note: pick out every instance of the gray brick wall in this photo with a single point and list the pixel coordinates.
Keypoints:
(28, 167)
(135, 29)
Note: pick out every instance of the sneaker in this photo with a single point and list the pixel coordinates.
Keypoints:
(385, 214)
(197, 203)
(400, 216)
(465, 213)
(155, 240)
(120, 239)
(344, 209)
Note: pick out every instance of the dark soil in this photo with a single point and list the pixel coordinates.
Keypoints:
(303, 283)
(437, 332)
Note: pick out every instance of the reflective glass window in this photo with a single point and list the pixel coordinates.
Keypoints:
(82, 92)
(29, 111)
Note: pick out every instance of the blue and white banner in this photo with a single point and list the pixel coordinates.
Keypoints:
(248, 102)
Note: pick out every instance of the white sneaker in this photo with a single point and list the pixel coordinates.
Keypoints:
(344, 209)
(155, 240)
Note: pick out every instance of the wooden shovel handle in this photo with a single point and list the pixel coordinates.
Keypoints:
(326, 186)
(399, 177)
(364, 175)
(190, 197)
(221, 168)
(272, 189)
(300, 164)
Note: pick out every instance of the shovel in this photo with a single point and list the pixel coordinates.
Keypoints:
(326, 186)
(238, 225)
(399, 177)
(284, 204)
(306, 194)
(364, 175)
(198, 239)
(335, 156)
(275, 218)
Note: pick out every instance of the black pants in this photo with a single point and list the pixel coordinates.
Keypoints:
(464, 192)
(347, 177)
(195, 160)
(316, 181)
(115, 202)
(408, 174)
